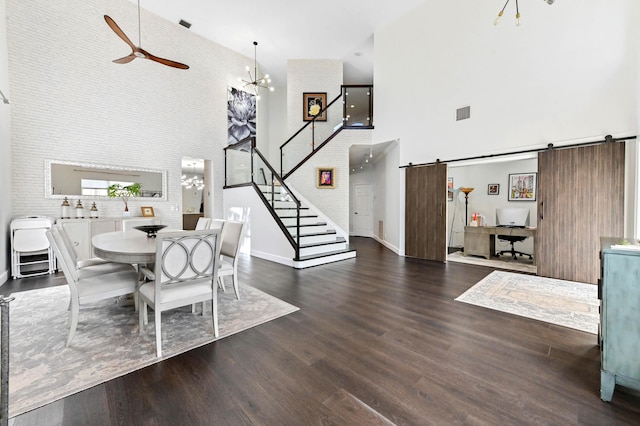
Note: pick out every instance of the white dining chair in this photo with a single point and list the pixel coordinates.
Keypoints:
(94, 265)
(186, 270)
(31, 253)
(203, 223)
(88, 287)
(217, 224)
(232, 236)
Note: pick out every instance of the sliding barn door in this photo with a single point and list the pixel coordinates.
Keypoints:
(580, 199)
(425, 213)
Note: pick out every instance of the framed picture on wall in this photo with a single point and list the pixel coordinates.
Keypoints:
(326, 177)
(449, 186)
(493, 189)
(147, 211)
(522, 186)
(312, 104)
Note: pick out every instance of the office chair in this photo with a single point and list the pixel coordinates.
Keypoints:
(512, 239)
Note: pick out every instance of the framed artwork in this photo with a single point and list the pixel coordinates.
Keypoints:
(147, 211)
(312, 104)
(241, 115)
(523, 186)
(493, 189)
(449, 186)
(326, 177)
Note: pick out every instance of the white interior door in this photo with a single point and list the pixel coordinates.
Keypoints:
(363, 212)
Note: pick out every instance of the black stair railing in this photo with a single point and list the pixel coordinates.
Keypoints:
(354, 112)
(245, 165)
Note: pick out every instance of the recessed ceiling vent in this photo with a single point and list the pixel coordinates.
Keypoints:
(463, 113)
(185, 23)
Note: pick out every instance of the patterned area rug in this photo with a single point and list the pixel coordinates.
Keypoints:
(107, 344)
(523, 264)
(566, 303)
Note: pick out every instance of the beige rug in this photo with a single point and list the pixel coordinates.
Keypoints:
(522, 264)
(566, 303)
(107, 344)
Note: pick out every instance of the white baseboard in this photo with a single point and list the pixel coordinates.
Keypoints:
(272, 258)
(391, 247)
(4, 277)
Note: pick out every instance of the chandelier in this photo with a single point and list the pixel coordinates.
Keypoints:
(254, 81)
(497, 21)
(194, 181)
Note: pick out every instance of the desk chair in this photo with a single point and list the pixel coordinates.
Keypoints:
(513, 239)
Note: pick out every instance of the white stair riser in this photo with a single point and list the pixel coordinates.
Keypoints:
(291, 213)
(323, 260)
(316, 239)
(308, 251)
(308, 229)
(291, 221)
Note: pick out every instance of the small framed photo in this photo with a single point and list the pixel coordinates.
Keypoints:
(449, 189)
(326, 177)
(312, 105)
(147, 211)
(522, 186)
(493, 189)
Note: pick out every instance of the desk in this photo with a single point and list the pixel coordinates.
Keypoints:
(481, 240)
(125, 247)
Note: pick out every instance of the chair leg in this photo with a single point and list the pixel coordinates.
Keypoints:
(214, 310)
(73, 321)
(158, 333)
(221, 283)
(141, 314)
(234, 278)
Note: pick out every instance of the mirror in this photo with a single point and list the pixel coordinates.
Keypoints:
(65, 179)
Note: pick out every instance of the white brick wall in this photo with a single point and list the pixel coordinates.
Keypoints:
(70, 102)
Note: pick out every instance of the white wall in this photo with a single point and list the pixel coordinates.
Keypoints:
(569, 73)
(5, 150)
(73, 103)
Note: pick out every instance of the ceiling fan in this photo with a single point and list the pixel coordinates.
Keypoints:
(137, 51)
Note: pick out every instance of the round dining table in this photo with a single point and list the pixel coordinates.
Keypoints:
(125, 246)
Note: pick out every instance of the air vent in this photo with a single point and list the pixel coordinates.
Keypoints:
(185, 23)
(463, 113)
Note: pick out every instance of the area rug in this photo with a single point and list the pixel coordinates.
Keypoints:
(566, 303)
(522, 264)
(107, 344)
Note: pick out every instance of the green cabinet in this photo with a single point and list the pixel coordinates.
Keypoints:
(619, 291)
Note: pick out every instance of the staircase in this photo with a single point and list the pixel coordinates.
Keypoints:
(318, 243)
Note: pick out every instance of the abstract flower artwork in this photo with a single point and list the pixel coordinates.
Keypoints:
(241, 115)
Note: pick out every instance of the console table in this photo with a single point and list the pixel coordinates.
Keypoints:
(481, 240)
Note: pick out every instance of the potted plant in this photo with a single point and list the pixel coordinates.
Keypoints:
(124, 192)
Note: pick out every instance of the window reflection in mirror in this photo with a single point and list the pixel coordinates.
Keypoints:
(83, 179)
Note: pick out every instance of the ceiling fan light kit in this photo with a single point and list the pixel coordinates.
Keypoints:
(137, 51)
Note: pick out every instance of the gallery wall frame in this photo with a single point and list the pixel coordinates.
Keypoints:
(523, 186)
(326, 177)
(493, 189)
(312, 105)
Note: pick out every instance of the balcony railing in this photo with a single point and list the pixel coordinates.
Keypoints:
(352, 109)
(245, 165)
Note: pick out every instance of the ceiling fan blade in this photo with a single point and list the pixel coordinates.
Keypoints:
(126, 59)
(163, 61)
(116, 29)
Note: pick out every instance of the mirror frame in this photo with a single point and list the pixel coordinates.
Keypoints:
(97, 166)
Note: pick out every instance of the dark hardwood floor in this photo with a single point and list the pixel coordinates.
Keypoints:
(378, 339)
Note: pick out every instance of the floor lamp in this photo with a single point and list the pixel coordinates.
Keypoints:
(466, 191)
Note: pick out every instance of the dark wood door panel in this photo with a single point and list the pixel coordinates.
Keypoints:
(580, 199)
(425, 219)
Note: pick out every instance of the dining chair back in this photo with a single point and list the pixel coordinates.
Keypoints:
(216, 224)
(232, 237)
(186, 270)
(91, 287)
(31, 253)
(203, 223)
